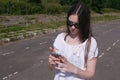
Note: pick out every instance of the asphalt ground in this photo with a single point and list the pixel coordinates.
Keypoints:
(27, 59)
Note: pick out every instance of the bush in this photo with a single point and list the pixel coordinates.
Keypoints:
(52, 8)
(18, 8)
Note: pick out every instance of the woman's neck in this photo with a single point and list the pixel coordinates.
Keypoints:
(73, 36)
(73, 40)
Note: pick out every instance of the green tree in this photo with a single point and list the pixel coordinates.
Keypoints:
(98, 5)
(113, 4)
(68, 2)
(34, 1)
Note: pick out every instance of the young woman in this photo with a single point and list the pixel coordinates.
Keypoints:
(77, 48)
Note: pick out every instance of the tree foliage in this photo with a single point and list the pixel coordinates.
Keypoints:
(22, 7)
(34, 1)
(68, 2)
(97, 5)
(113, 4)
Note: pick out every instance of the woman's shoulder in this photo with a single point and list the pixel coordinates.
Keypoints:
(93, 41)
(62, 34)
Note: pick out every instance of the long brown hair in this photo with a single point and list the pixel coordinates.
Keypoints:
(85, 31)
(83, 13)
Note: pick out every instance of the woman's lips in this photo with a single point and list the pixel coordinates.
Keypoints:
(73, 30)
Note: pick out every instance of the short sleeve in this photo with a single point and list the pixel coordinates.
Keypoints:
(57, 43)
(93, 49)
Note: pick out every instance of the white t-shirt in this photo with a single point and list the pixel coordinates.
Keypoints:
(74, 54)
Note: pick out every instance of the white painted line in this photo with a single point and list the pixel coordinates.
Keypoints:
(43, 43)
(7, 53)
(108, 48)
(4, 54)
(27, 48)
(15, 73)
(4, 78)
(117, 40)
(114, 44)
(101, 55)
(34, 64)
(12, 52)
(10, 75)
(41, 61)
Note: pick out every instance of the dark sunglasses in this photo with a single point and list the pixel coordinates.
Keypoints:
(70, 24)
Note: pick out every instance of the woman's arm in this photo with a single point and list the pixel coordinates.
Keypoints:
(90, 70)
(86, 74)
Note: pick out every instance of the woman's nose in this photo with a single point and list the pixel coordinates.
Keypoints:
(73, 27)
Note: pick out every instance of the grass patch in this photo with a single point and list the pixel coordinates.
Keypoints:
(111, 10)
(3, 19)
(41, 27)
(104, 18)
(11, 31)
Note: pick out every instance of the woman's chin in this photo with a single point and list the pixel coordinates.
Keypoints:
(74, 32)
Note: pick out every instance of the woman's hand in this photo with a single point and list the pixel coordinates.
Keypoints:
(65, 66)
(60, 63)
(52, 60)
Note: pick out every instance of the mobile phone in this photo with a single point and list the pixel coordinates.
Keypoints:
(56, 55)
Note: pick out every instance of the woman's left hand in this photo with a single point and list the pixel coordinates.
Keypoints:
(65, 65)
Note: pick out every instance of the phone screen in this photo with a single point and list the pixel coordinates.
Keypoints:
(55, 55)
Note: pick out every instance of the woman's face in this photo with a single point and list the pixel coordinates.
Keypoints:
(73, 24)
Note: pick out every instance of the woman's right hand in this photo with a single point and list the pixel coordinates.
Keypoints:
(52, 60)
